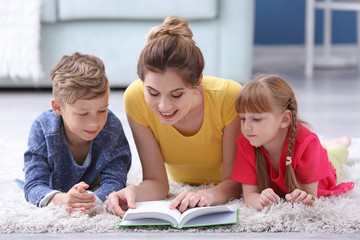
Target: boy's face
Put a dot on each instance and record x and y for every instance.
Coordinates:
(84, 119)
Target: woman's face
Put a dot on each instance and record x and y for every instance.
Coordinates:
(168, 97)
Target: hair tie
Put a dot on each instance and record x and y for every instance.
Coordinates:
(288, 160)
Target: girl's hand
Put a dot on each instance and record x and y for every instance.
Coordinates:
(188, 199)
(268, 196)
(119, 202)
(301, 196)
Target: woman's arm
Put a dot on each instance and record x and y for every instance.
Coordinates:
(155, 185)
(228, 188)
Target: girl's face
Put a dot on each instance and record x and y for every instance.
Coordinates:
(168, 97)
(261, 128)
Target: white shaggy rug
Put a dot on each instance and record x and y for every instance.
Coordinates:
(339, 214)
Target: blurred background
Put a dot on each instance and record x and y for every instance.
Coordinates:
(316, 50)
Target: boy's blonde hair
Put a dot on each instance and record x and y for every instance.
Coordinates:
(79, 76)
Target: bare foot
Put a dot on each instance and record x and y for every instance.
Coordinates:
(343, 141)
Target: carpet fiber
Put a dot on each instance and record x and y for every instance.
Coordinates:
(336, 214)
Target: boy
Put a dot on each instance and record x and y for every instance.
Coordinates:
(77, 152)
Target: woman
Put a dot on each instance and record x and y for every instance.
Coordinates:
(184, 125)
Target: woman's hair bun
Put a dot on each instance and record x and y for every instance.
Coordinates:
(172, 26)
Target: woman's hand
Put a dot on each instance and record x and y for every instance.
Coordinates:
(267, 197)
(301, 196)
(188, 199)
(119, 202)
(76, 199)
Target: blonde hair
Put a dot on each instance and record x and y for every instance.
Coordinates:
(270, 93)
(170, 47)
(79, 76)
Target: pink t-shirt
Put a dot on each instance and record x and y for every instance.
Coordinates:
(309, 161)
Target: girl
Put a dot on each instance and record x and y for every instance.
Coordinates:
(277, 155)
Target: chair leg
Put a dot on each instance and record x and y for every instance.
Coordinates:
(327, 32)
(358, 36)
(309, 37)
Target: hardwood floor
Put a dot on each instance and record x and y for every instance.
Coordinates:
(330, 101)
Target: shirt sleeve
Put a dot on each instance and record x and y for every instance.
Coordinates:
(245, 165)
(116, 160)
(228, 109)
(134, 103)
(36, 166)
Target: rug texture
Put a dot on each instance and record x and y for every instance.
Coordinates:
(336, 214)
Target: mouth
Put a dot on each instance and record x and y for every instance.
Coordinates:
(91, 132)
(168, 115)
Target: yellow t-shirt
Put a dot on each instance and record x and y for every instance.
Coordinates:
(195, 159)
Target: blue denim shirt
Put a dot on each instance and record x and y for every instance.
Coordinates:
(49, 164)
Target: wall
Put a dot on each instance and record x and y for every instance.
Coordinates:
(283, 22)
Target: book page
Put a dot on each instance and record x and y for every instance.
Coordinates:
(202, 216)
(153, 210)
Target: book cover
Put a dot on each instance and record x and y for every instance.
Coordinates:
(158, 213)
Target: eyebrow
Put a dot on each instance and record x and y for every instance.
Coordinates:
(175, 90)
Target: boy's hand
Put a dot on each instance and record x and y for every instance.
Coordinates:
(76, 199)
(267, 197)
(301, 196)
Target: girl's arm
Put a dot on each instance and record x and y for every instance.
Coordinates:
(155, 185)
(228, 188)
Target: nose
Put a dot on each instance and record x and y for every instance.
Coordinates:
(94, 122)
(247, 125)
(164, 104)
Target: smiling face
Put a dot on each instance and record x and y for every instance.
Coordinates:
(84, 119)
(261, 128)
(168, 97)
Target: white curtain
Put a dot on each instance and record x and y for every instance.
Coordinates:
(20, 39)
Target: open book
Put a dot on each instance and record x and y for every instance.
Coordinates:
(159, 213)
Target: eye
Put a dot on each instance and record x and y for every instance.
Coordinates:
(83, 114)
(154, 94)
(102, 111)
(256, 119)
(177, 95)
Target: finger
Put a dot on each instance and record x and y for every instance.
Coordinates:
(203, 203)
(83, 197)
(113, 204)
(271, 196)
(82, 205)
(69, 209)
(301, 196)
(194, 201)
(184, 204)
(309, 200)
(82, 210)
(81, 184)
(177, 200)
(130, 199)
